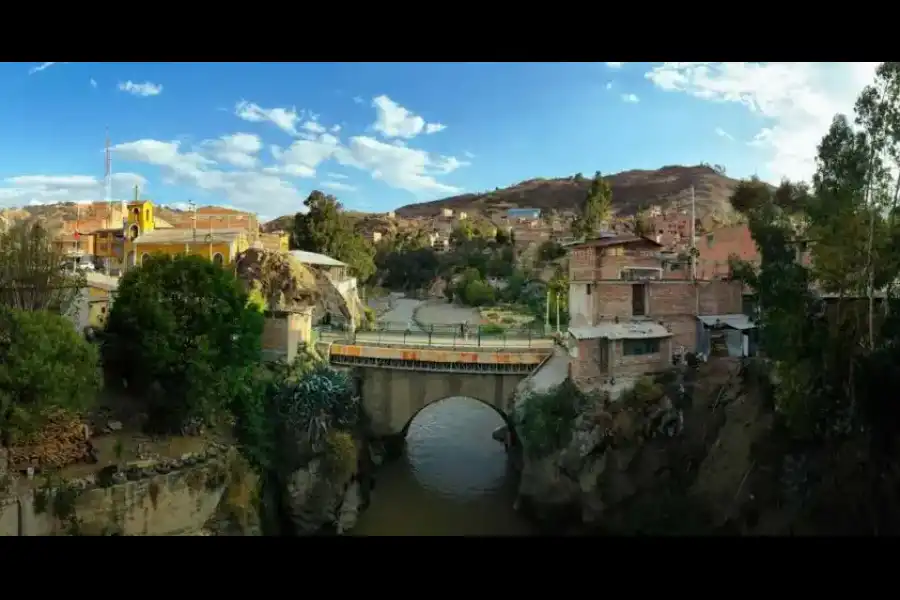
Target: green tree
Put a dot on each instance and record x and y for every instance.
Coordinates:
(31, 271)
(45, 365)
(326, 229)
(641, 224)
(595, 210)
(183, 337)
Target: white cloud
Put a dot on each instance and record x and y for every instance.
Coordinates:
(93, 83)
(44, 66)
(796, 102)
(630, 98)
(143, 90)
(234, 168)
(335, 128)
(50, 189)
(394, 121)
(285, 119)
(614, 65)
(468, 154)
(609, 85)
(722, 133)
(358, 99)
(338, 186)
(238, 149)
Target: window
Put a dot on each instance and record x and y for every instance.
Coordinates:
(709, 240)
(218, 259)
(640, 347)
(588, 289)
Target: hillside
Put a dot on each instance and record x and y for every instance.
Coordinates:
(54, 215)
(630, 190)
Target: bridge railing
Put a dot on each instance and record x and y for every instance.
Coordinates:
(441, 335)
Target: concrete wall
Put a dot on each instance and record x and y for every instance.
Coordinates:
(392, 397)
(176, 503)
(283, 332)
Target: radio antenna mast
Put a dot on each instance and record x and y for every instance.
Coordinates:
(107, 180)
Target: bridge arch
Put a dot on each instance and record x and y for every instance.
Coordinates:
(393, 397)
(503, 414)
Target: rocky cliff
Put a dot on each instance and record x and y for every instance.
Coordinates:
(669, 457)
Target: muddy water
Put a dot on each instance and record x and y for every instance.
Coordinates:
(452, 480)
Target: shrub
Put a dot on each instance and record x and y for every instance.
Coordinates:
(44, 366)
(478, 293)
(492, 329)
(544, 420)
(182, 334)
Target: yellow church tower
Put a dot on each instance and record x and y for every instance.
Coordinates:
(140, 216)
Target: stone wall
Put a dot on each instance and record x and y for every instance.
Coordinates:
(166, 498)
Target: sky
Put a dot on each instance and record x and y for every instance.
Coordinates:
(262, 136)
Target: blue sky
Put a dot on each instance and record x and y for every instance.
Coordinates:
(379, 135)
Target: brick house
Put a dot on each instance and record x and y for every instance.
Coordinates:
(715, 248)
(624, 349)
(625, 280)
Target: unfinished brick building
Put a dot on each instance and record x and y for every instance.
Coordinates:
(620, 280)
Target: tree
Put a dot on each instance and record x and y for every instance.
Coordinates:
(45, 365)
(641, 225)
(596, 208)
(31, 271)
(501, 237)
(750, 194)
(325, 229)
(183, 337)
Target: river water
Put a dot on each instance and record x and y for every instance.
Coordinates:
(453, 478)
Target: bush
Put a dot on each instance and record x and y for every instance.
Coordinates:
(478, 293)
(492, 329)
(182, 335)
(44, 366)
(544, 421)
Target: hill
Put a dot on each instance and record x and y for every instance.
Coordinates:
(54, 215)
(670, 185)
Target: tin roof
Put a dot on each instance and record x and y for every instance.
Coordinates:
(734, 321)
(617, 240)
(314, 258)
(623, 330)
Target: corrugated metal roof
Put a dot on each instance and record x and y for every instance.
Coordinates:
(606, 240)
(183, 236)
(735, 321)
(101, 281)
(624, 330)
(314, 258)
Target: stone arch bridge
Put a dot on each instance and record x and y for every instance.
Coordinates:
(397, 383)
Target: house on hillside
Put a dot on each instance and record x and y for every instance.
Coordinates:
(627, 312)
(93, 302)
(528, 214)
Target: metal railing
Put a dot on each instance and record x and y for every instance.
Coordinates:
(441, 335)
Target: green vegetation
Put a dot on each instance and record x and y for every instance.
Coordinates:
(31, 277)
(326, 229)
(545, 420)
(836, 361)
(182, 336)
(595, 211)
(45, 366)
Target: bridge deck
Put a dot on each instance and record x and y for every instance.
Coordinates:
(432, 359)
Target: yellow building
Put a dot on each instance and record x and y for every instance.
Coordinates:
(142, 237)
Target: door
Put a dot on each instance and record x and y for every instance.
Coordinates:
(603, 347)
(638, 300)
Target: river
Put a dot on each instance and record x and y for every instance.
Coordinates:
(453, 478)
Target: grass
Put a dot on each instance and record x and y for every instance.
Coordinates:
(505, 316)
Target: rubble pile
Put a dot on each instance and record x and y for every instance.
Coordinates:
(64, 440)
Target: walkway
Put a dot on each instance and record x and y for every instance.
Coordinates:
(420, 338)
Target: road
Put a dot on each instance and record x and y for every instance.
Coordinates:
(402, 313)
(442, 341)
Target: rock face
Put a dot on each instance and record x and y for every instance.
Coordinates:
(279, 280)
(319, 499)
(623, 459)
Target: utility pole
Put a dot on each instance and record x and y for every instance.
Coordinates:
(557, 314)
(694, 251)
(547, 312)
